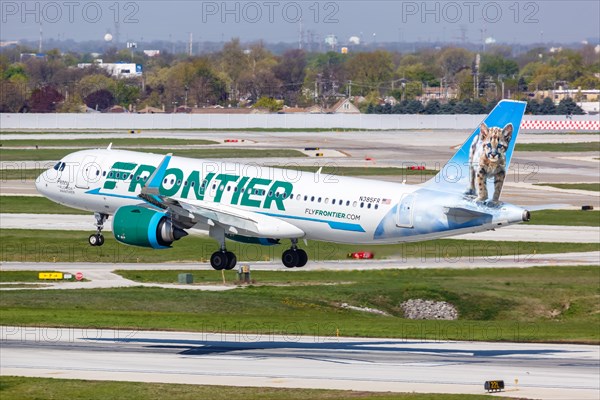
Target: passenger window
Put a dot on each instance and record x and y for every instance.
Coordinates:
(369, 205)
(376, 206)
(326, 200)
(347, 203)
(354, 204)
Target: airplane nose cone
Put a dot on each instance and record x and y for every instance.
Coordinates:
(41, 184)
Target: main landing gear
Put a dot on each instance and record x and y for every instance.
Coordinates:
(221, 259)
(97, 239)
(294, 257)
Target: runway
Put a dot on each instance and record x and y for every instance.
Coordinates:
(549, 371)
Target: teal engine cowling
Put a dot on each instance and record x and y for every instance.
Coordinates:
(144, 227)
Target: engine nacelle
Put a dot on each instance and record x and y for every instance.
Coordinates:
(144, 227)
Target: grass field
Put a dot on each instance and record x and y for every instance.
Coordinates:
(72, 246)
(532, 304)
(90, 143)
(34, 205)
(562, 147)
(57, 154)
(19, 276)
(594, 187)
(46, 388)
(22, 174)
(565, 217)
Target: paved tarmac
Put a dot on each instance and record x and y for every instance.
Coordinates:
(549, 371)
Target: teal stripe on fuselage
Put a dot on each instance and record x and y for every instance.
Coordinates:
(342, 226)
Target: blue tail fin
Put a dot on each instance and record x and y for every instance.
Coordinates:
(479, 167)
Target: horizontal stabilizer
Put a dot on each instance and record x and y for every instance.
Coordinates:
(461, 215)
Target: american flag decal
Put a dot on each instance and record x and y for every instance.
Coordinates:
(386, 201)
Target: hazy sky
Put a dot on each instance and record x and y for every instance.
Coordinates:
(274, 21)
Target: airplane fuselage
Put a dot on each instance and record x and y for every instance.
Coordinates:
(325, 207)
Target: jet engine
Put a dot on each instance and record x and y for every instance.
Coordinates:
(145, 227)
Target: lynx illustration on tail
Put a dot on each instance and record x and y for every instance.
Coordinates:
(488, 159)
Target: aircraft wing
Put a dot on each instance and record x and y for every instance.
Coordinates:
(234, 220)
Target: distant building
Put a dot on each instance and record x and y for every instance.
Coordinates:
(151, 110)
(584, 95)
(211, 110)
(118, 70)
(117, 110)
(315, 109)
(31, 56)
(441, 94)
(343, 106)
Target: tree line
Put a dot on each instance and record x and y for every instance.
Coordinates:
(243, 75)
(566, 106)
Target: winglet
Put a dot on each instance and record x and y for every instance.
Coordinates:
(153, 183)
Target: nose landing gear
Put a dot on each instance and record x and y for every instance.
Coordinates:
(97, 239)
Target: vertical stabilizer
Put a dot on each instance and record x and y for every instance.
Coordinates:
(479, 167)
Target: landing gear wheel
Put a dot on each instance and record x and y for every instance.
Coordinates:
(232, 260)
(97, 239)
(290, 258)
(219, 260)
(302, 258)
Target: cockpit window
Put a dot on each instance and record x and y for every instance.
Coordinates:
(62, 166)
(57, 166)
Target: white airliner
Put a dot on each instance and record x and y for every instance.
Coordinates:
(155, 198)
